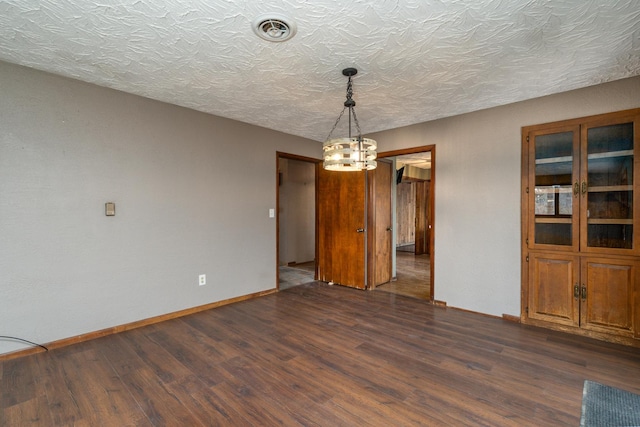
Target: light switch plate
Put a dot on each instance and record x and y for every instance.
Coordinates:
(110, 209)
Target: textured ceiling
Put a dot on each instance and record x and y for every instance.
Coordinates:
(418, 60)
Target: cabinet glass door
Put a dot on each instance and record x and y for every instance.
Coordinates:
(555, 176)
(609, 186)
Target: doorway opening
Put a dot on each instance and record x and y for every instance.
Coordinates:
(296, 221)
(413, 218)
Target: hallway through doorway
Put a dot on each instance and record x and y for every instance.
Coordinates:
(413, 276)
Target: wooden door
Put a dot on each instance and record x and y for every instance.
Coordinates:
(554, 188)
(607, 295)
(405, 214)
(552, 297)
(341, 227)
(609, 178)
(380, 226)
(422, 217)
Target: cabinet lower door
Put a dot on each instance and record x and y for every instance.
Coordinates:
(553, 282)
(608, 298)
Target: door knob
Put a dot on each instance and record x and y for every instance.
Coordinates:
(389, 228)
(360, 230)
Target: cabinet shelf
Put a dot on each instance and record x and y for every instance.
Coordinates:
(553, 189)
(550, 160)
(607, 221)
(608, 154)
(553, 220)
(594, 221)
(609, 188)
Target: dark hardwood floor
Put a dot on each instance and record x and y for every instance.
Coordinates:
(317, 355)
(413, 276)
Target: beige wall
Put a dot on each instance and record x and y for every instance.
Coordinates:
(477, 193)
(192, 193)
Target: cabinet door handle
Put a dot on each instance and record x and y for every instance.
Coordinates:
(576, 291)
(360, 230)
(584, 293)
(584, 187)
(576, 189)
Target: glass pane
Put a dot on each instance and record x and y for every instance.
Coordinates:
(553, 190)
(613, 170)
(553, 234)
(565, 202)
(610, 236)
(610, 179)
(554, 145)
(606, 139)
(610, 205)
(554, 200)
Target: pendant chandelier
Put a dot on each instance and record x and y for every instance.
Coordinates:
(351, 153)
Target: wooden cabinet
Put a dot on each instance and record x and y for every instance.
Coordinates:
(581, 229)
(551, 290)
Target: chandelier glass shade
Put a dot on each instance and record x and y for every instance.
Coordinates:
(351, 153)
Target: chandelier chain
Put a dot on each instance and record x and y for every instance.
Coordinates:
(355, 120)
(336, 123)
(350, 104)
(349, 90)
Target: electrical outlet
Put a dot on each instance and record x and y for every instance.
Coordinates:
(202, 279)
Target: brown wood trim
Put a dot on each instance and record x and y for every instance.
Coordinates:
(439, 303)
(511, 318)
(278, 183)
(618, 339)
(133, 325)
(581, 120)
(21, 353)
(411, 150)
(524, 226)
(505, 317)
(432, 205)
(294, 263)
(475, 312)
(316, 274)
(432, 213)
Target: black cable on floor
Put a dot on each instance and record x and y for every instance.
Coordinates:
(26, 341)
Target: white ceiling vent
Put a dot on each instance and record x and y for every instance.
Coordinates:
(274, 28)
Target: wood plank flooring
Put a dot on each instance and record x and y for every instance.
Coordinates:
(413, 276)
(317, 355)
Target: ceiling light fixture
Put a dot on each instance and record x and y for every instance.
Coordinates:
(351, 153)
(274, 27)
